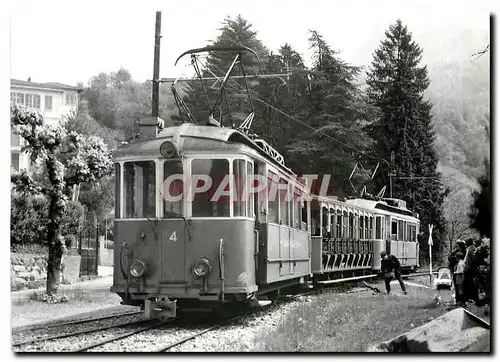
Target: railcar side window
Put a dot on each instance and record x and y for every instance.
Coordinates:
(371, 228)
(315, 218)
(250, 197)
(173, 188)
(297, 214)
(367, 228)
(272, 192)
(378, 227)
(324, 220)
(118, 178)
(345, 222)
(285, 203)
(361, 227)
(210, 201)
(140, 189)
(339, 224)
(240, 181)
(305, 206)
(394, 230)
(333, 230)
(351, 225)
(400, 230)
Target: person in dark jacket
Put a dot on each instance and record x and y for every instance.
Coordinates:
(389, 265)
(470, 288)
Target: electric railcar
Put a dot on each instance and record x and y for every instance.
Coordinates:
(198, 247)
(179, 248)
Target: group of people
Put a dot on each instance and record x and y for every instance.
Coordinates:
(464, 261)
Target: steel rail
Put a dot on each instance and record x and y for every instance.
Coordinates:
(121, 336)
(72, 334)
(184, 340)
(34, 327)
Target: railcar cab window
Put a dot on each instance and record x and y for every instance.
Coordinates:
(173, 188)
(210, 188)
(140, 189)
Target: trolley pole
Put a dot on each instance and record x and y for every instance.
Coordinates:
(156, 67)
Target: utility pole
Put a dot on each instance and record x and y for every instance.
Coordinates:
(391, 174)
(156, 67)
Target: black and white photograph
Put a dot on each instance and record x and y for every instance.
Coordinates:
(259, 176)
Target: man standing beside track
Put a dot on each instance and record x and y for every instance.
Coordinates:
(389, 264)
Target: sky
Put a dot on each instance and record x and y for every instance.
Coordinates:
(72, 43)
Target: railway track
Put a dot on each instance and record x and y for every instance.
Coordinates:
(72, 334)
(111, 339)
(144, 334)
(35, 327)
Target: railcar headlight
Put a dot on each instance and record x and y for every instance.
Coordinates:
(168, 149)
(137, 268)
(202, 267)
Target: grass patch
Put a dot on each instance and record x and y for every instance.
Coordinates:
(350, 322)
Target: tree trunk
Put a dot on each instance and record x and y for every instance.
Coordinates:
(56, 210)
(54, 269)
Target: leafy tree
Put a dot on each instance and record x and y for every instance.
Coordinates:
(396, 84)
(69, 158)
(336, 113)
(276, 94)
(117, 102)
(481, 209)
(234, 32)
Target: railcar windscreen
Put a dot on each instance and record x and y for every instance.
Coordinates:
(211, 185)
(140, 189)
(173, 185)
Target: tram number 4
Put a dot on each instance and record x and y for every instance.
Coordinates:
(173, 237)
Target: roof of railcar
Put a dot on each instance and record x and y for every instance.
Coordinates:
(366, 205)
(151, 146)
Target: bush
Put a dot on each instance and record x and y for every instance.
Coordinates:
(29, 219)
(483, 273)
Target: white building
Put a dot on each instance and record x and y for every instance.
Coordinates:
(53, 100)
